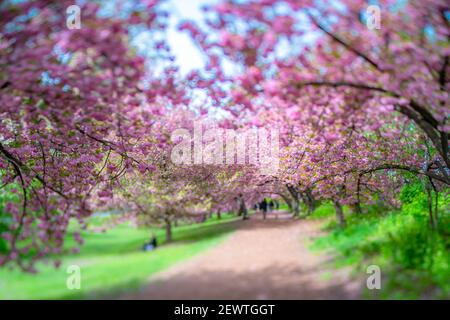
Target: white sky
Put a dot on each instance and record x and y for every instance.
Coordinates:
(187, 55)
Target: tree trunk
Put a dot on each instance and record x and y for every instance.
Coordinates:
(239, 212)
(219, 215)
(295, 200)
(296, 207)
(436, 201)
(436, 204)
(276, 204)
(339, 213)
(311, 208)
(311, 202)
(430, 206)
(288, 202)
(168, 230)
(357, 208)
(242, 208)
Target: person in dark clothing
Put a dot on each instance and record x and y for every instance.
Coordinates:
(263, 205)
(152, 244)
(263, 208)
(153, 241)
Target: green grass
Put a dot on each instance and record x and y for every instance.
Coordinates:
(414, 259)
(283, 207)
(112, 262)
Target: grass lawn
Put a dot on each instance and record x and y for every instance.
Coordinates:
(414, 259)
(113, 262)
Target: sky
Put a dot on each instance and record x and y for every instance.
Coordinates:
(187, 55)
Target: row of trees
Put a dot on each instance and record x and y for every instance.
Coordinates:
(355, 104)
(86, 120)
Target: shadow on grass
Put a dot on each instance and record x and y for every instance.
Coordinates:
(106, 293)
(203, 232)
(190, 238)
(132, 239)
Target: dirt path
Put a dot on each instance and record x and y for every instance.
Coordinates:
(261, 260)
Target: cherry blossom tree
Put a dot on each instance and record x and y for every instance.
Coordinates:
(86, 117)
(368, 100)
(403, 67)
(71, 115)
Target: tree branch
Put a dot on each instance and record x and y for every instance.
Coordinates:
(343, 43)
